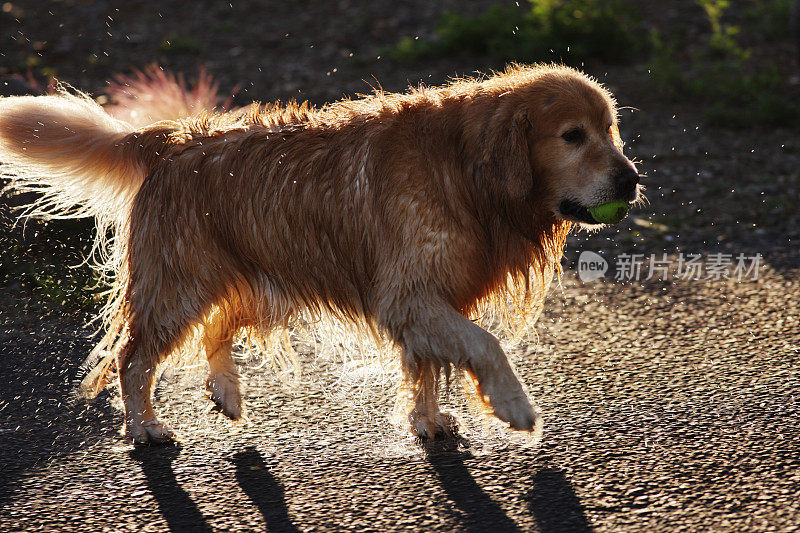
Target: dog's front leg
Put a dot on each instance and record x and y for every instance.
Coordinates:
(437, 335)
(426, 420)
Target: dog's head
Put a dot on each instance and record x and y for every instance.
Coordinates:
(553, 140)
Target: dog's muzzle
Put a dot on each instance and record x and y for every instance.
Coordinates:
(626, 184)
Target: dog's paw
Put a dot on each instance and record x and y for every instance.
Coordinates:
(508, 401)
(224, 391)
(517, 411)
(442, 425)
(151, 431)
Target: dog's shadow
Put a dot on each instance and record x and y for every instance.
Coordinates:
(554, 504)
(263, 489)
(177, 508)
(182, 514)
(552, 500)
(481, 513)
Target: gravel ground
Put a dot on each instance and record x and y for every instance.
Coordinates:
(670, 404)
(668, 407)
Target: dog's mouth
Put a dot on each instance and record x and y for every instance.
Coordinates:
(577, 212)
(572, 210)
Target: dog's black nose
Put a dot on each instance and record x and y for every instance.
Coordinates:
(625, 182)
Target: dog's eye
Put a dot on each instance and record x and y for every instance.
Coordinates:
(574, 136)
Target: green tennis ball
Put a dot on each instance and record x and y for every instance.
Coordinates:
(610, 213)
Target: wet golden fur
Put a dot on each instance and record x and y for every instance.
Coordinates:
(405, 213)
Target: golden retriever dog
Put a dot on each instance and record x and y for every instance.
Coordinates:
(405, 213)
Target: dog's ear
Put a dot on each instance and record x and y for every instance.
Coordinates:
(506, 154)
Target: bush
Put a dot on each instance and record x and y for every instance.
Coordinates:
(737, 91)
(569, 30)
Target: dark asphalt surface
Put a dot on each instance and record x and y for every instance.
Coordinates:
(669, 407)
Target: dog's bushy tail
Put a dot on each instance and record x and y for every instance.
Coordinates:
(64, 146)
(83, 163)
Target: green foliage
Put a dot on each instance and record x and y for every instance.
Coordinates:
(723, 36)
(53, 264)
(737, 91)
(569, 30)
(741, 99)
(769, 18)
(77, 287)
(608, 30)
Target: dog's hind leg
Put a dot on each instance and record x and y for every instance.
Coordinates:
(162, 314)
(164, 302)
(223, 377)
(137, 365)
(433, 333)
